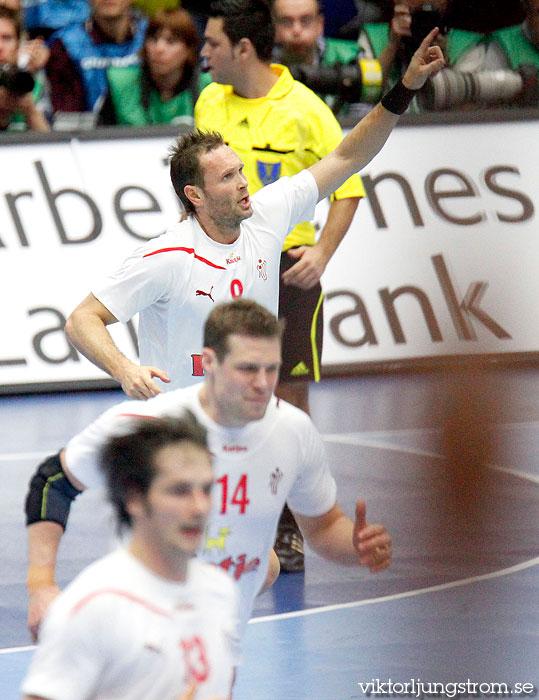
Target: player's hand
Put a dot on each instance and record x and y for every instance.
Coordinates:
(137, 382)
(425, 63)
(37, 607)
(311, 263)
(36, 53)
(372, 542)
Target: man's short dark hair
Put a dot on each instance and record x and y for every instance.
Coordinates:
(240, 317)
(185, 161)
(128, 460)
(247, 19)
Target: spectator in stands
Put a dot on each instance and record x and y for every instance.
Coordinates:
(43, 17)
(516, 46)
(19, 92)
(314, 59)
(394, 43)
(81, 53)
(165, 87)
(33, 53)
(11, 4)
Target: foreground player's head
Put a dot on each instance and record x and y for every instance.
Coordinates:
(241, 360)
(159, 478)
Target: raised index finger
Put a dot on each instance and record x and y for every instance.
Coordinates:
(427, 41)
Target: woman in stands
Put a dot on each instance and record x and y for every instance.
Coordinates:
(163, 89)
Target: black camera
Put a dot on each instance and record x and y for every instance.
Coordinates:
(350, 82)
(16, 81)
(423, 21)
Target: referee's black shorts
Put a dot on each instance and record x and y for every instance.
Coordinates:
(302, 339)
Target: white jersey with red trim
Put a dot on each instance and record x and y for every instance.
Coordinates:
(257, 469)
(120, 631)
(174, 280)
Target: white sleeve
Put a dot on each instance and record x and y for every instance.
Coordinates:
(71, 657)
(286, 203)
(82, 452)
(314, 492)
(141, 280)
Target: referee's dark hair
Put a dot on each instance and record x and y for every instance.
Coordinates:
(240, 317)
(128, 460)
(247, 19)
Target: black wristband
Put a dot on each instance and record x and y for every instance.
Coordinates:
(398, 98)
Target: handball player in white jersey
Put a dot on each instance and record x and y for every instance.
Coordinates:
(148, 621)
(228, 246)
(265, 452)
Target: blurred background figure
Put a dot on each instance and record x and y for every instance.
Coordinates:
(20, 93)
(518, 45)
(81, 53)
(43, 17)
(469, 80)
(329, 66)
(344, 18)
(166, 86)
(394, 43)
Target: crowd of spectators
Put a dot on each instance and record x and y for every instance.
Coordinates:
(137, 62)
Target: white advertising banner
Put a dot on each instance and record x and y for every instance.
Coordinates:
(441, 258)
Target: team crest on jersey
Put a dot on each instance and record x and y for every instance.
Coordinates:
(262, 267)
(275, 478)
(268, 172)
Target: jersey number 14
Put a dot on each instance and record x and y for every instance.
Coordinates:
(239, 496)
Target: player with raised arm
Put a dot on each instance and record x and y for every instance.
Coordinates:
(228, 246)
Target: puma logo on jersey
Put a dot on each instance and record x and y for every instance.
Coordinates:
(200, 293)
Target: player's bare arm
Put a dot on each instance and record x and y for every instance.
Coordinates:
(86, 329)
(312, 260)
(334, 536)
(43, 544)
(367, 138)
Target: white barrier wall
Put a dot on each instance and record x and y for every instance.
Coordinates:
(441, 258)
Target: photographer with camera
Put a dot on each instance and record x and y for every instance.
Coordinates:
(516, 46)
(19, 92)
(393, 44)
(329, 67)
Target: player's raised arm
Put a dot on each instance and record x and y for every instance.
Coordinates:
(367, 138)
(86, 331)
